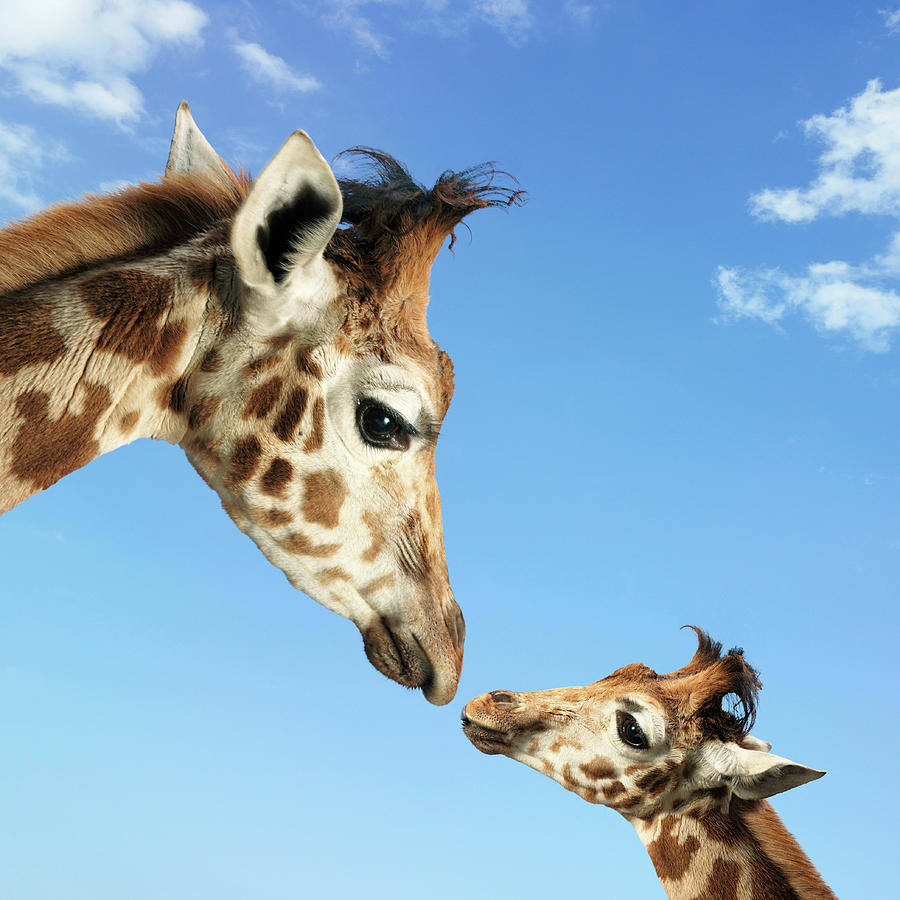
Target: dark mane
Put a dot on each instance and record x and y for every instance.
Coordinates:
(141, 219)
(384, 205)
(715, 678)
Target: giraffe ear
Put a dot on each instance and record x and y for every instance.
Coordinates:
(190, 152)
(755, 774)
(283, 226)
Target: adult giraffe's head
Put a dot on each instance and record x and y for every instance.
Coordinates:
(315, 411)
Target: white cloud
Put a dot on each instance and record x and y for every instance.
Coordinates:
(511, 17)
(582, 13)
(835, 296)
(272, 70)
(82, 54)
(891, 19)
(859, 169)
(22, 153)
(450, 18)
(859, 172)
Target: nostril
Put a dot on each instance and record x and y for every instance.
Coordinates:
(502, 697)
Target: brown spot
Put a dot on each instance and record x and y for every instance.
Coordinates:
(275, 479)
(316, 436)
(570, 782)
(211, 362)
(261, 364)
(263, 398)
(611, 791)
(290, 415)
(559, 743)
(307, 365)
(128, 421)
(383, 581)
(598, 769)
(533, 744)
(244, 461)
(202, 411)
(27, 335)
(273, 518)
(672, 859)
(589, 794)
(637, 767)
(342, 345)
(299, 544)
(45, 449)
(547, 766)
(174, 396)
(724, 880)
(323, 496)
(371, 522)
(655, 781)
(279, 342)
(168, 346)
(336, 573)
(131, 302)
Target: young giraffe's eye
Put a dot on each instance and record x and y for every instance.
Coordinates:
(382, 427)
(630, 731)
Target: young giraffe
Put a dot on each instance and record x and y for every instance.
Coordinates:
(290, 359)
(662, 751)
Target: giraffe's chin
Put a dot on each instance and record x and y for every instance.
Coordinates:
(487, 740)
(397, 653)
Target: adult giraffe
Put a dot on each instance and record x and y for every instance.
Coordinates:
(290, 359)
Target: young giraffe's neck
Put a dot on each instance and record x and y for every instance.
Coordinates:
(743, 854)
(94, 361)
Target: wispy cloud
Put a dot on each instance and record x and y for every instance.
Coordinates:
(859, 168)
(271, 70)
(891, 19)
(22, 154)
(859, 172)
(513, 19)
(582, 13)
(82, 54)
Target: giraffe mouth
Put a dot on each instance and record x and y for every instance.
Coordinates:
(486, 739)
(397, 653)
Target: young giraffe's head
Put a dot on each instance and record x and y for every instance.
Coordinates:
(314, 413)
(641, 743)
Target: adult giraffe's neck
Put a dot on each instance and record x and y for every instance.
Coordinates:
(92, 362)
(744, 854)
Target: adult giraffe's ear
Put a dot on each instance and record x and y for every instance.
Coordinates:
(283, 226)
(190, 152)
(753, 774)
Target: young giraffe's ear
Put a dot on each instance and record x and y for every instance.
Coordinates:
(754, 774)
(190, 152)
(283, 226)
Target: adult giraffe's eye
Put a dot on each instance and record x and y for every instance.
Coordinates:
(630, 731)
(381, 427)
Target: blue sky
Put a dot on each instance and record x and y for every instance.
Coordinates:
(677, 395)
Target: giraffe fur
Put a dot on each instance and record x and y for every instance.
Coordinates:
(288, 357)
(663, 752)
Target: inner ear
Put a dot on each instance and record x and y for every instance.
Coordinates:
(282, 235)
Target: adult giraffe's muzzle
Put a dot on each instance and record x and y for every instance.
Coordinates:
(426, 653)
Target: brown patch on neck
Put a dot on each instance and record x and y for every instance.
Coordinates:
(780, 846)
(300, 545)
(27, 334)
(46, 449)
(598, 769)
(140, 220)
(672, 858)
(323, 496)
(276, 478)
(262, 399)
